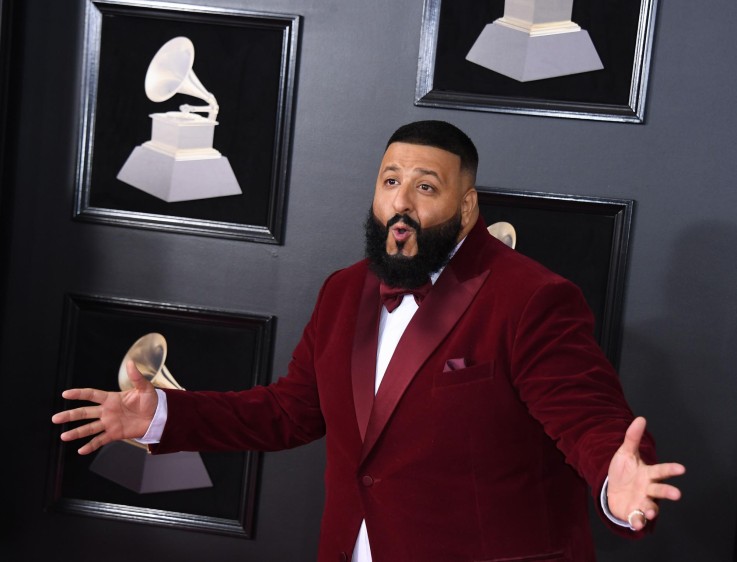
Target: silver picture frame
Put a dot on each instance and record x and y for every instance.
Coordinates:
(622, 33)
(248, 58)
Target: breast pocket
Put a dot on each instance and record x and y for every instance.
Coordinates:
(483, 372)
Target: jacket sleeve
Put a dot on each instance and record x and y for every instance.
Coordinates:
(570, 387)
(281, 415)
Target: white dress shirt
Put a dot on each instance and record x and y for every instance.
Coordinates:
(391, 328)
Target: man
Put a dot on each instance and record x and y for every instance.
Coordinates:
(462, 423)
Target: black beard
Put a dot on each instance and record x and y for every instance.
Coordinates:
(434, 245)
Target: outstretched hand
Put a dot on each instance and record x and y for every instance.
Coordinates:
(634, 487)
(117, 415)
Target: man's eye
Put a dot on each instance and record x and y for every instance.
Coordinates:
(426, 187)
(392, 181)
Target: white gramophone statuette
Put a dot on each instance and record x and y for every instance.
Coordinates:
(179, 163)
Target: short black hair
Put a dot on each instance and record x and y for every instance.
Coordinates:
(443, 135)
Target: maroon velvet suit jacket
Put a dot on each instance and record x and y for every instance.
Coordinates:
(489, 461)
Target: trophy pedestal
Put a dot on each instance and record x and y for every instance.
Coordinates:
(134, 468)
(525, 56)
(179, 163)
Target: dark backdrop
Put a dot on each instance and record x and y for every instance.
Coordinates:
(356, 82)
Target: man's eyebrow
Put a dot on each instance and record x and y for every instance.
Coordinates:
(426, 172)
(422, 171)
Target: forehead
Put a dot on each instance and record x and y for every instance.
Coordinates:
(409, 157)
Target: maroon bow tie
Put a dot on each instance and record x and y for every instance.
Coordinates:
(392, 296)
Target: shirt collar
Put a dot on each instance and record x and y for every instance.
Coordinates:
(434, 276)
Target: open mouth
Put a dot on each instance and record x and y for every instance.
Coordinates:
(401, 232)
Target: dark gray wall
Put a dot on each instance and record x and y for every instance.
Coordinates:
(355, 86)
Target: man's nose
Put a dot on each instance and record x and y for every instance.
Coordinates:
(403, 202)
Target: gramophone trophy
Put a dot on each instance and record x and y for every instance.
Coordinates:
(535, 39)
(127, 462)
(179, 162)
(504, 232)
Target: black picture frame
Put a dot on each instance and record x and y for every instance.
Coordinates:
(208, 349)
(584, 239)
(6, 14)
(621, 31)
(247, 59)
(7, 8)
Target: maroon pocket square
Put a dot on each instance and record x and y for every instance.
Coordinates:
(455, 364)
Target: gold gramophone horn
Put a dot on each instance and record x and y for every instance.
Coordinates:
(149, 354)
(505, 232)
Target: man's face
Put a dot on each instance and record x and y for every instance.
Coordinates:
(423, 205)
(427, 185)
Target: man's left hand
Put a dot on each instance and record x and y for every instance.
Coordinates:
(634, 487)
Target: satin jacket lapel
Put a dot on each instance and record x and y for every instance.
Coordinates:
(438, 313)
(365, 344)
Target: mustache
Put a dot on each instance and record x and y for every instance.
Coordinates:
(406, 219)
(434, 246)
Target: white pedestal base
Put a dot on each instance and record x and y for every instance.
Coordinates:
(524, 57)
(134, 468)
(171, 179)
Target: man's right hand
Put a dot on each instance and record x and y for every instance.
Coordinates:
(117, 415)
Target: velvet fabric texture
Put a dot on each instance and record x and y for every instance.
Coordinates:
(497, 413)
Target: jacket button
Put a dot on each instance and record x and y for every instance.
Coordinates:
(367, 481)
(343, 557)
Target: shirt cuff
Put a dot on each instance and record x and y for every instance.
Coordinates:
(605, 507)
(156, 429)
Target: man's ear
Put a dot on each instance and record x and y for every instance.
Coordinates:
(469, 206)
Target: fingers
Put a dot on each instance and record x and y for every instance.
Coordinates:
(134, 374)
(666, 470)
(94, 444)
(639, 515)
(633, 436)
(659, 472)
(93, 428)
(646, 508)
(108, 404)
(83, 413)
(137, 379)
(638, 518)
(647, 503)
(89, 394)
(86, 430)
(664, 492)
